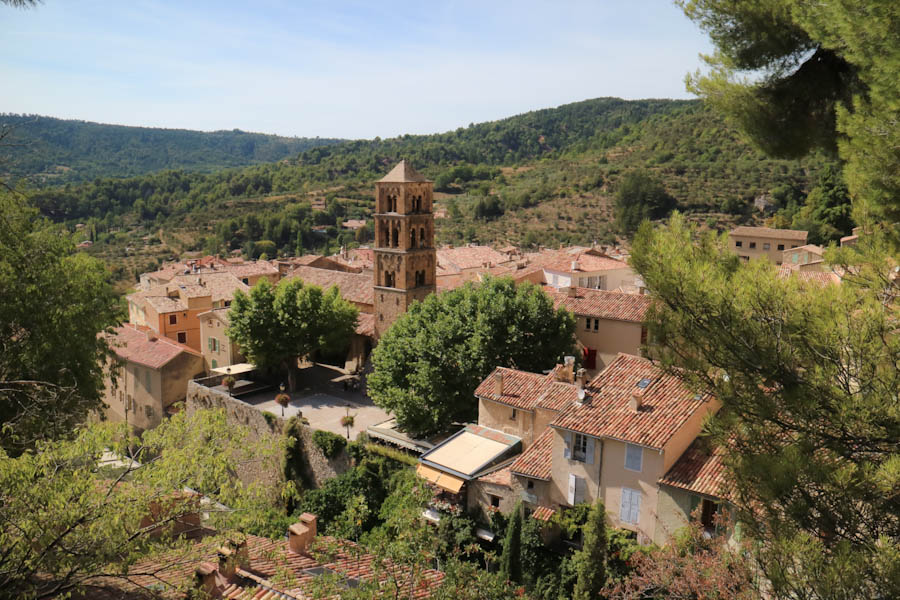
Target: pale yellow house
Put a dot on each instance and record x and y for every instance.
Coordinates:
(152, 374)
(765, 242)
(218, 350)
(615, 437)
(588, 268)
(606, 322)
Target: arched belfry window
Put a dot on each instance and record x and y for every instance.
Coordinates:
(422, 238)
(395, 238)
(412, 237)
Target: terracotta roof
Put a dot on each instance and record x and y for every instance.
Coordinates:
(602, 304)
(537, 460)
(585, 261)
(666, 404)
(355, 287)
(469, 257)
(543, 513)
(365, 324)
(220, 286)
(521, 389)
(275, 572)
(816, 277)
(161, 304)
(809, 248)
(698, 470)
(138, 344)
(498, 477)
(403, 173)
(767, 232)
(354, 223)
(252, 269)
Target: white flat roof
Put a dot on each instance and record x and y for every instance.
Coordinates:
(466, 452)
(235, 369)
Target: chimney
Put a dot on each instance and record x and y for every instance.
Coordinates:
(572, 291)
(227, 562)
(151, 335)
(581, 378)
(567, 373)
(205, 579)
(574, 265)
(498, 383)
(301, 535)
(636, 400)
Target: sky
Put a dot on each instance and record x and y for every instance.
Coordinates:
(339, 68)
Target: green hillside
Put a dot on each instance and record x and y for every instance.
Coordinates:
(545, 177)
(48, 151)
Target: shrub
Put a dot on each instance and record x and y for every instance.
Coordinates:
(329, 443)
(392, 453)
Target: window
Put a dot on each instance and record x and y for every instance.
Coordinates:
(781, 246)
(182, 337)
(530, 485)
(752, 245)
(793, 245)
(245, 281)
(512, 416)
(634, 457)
(596, 324)
(495, 501)
(173, 319)
(766, 246)
(587, 323)
(601, 282)
(148, 411)
(630, 509)
(580, 449)
(214, 364)
(739, 244)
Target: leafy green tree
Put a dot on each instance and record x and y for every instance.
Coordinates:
(69, 522)
(511, 559)
(827, 79)
(274, 326)
(639, 197)
(53, 304)
(826, 214)
(808, 379)
(590, 561)
(428, 364)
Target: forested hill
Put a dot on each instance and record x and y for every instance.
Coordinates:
(49, 151)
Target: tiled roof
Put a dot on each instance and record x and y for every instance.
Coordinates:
(537, 460)
(274, 572)
(354, 223)
(355, 287)
(365, 324)
(543, 513)
(252, 269)
(698, 470)
(816, 277)
(469, 257)
(403, 173)
(809, 248)
(586, 261)
(666, 404)
(142, 346)
(498, 477)
(602, 304)
(161, 304)
(767, 232)
(521, 389)
(220, 286)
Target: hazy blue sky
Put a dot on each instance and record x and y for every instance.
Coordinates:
(336, 68)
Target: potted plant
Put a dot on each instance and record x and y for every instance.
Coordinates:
(229, 382)
(283, 399)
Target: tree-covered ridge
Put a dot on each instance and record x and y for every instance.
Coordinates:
(50, 151)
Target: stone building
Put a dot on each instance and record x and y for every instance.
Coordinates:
(405, 260)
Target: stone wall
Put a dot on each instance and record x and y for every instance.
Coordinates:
(319, 468)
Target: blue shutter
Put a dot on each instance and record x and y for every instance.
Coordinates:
(589, 452)
(567, 453)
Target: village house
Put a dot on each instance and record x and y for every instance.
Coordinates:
(172, 309)
(217, 348)
(152, 375)
(458, 265)
(248, 272)
(588, 268)
(764, 242)
(809, 256)
(622, 436)
(606, 323)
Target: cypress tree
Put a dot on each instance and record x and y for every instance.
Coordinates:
(511, 560)
(590, 561)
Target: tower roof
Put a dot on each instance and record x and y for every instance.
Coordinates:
(403, 173)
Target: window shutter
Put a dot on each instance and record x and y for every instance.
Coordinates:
(589, 452)
(625, 506)
(209, 344)
(635, 506)
(567, 453)
(572, 483)
(579, 490)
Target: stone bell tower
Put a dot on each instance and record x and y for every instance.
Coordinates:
(405, 259)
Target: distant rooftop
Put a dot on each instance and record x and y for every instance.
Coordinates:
(768, 232)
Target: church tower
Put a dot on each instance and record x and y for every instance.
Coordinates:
(405, 259)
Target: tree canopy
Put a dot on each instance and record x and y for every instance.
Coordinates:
(825, 77)
(428, 364)
(54, 302)
(640, 197)
(808, 379)
(276, 325)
